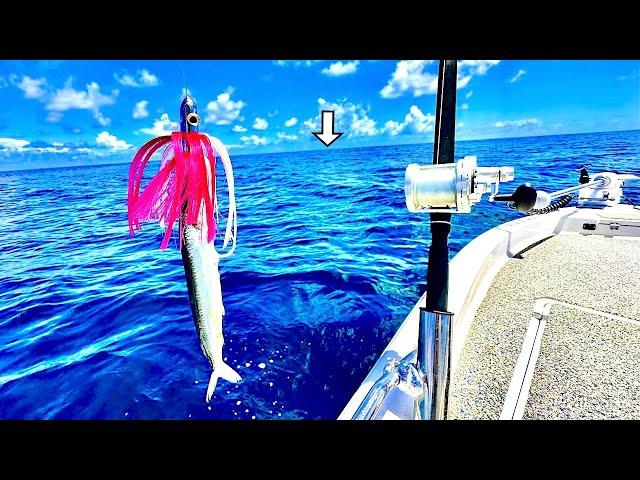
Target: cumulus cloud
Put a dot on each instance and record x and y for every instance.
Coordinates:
(411, 76)
(467, 69)
(393, 128)
(414, 122)
(254, 140)
(239, 128)
(286, 136)
(111, 141)
(469, 95)
(524, 122)
(161, 126)
(223, 110)
(310, 125)
(91, 99)
(339, 69)
(13, 144)
(291, 122)
(517, 76)
(350, 118)
(140, 110)
(260, 124)
(32, 87)
(144, 79)
(464, 106)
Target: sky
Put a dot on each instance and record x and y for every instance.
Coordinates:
(72, 112)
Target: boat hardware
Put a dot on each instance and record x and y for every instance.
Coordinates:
(403, 374)
(518, 393)
(597, 191)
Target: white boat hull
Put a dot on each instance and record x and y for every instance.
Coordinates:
(471, 273)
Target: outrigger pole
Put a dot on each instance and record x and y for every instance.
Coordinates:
(434, 334)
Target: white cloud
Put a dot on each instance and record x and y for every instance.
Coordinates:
(90, 99)
(291, 122)
(351, 119)
(295, 63)
(254, 140)
(415, 122)
(272, 114)
(311, 125)
(393, 127)
(223, 110)
(464, 106)
(410, 77)
(287, 136)
(476, 67)
(467, 69)
(13, 144)
(260, 124)
(469, 95)
(239, 128)
(363, 127)
(140, 110)
(32, 87)
(517, 76)
(518, 123)
(145, 79)
(111, 142)
(162, 126)
(339, 69)
(419, 122)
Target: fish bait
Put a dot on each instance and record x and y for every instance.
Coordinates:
(184, 192)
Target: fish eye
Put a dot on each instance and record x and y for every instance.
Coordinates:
(193, 119)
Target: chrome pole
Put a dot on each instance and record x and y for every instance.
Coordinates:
(370, 406)
(434, 340)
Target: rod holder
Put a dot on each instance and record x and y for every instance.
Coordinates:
(434, 345)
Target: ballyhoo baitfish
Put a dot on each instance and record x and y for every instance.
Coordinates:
(184, 190)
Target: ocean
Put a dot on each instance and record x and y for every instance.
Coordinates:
(95, 324)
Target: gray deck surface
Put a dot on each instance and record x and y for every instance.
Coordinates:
(589, 366)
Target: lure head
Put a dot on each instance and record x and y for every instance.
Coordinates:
(189, 118)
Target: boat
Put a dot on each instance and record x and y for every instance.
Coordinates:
(537, 318)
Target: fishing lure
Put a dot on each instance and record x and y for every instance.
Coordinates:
(184, 192)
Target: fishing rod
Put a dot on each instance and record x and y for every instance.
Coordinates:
(441, 189)
(434, 330)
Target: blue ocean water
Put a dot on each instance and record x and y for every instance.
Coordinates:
(95, 324)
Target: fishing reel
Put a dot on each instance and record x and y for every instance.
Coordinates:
(452, 187)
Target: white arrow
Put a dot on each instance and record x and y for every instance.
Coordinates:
(327, 135)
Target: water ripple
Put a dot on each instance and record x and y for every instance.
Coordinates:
(329, 262)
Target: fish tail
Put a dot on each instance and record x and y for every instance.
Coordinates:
(222, 370)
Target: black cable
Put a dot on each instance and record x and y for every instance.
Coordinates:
(558, 204)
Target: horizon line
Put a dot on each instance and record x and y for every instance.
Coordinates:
(343, 148)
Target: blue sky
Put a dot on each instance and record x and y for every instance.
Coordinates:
(57, 113)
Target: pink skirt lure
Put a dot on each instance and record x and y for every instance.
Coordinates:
(183, 190)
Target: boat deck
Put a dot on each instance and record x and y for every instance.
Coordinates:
(587, 353)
